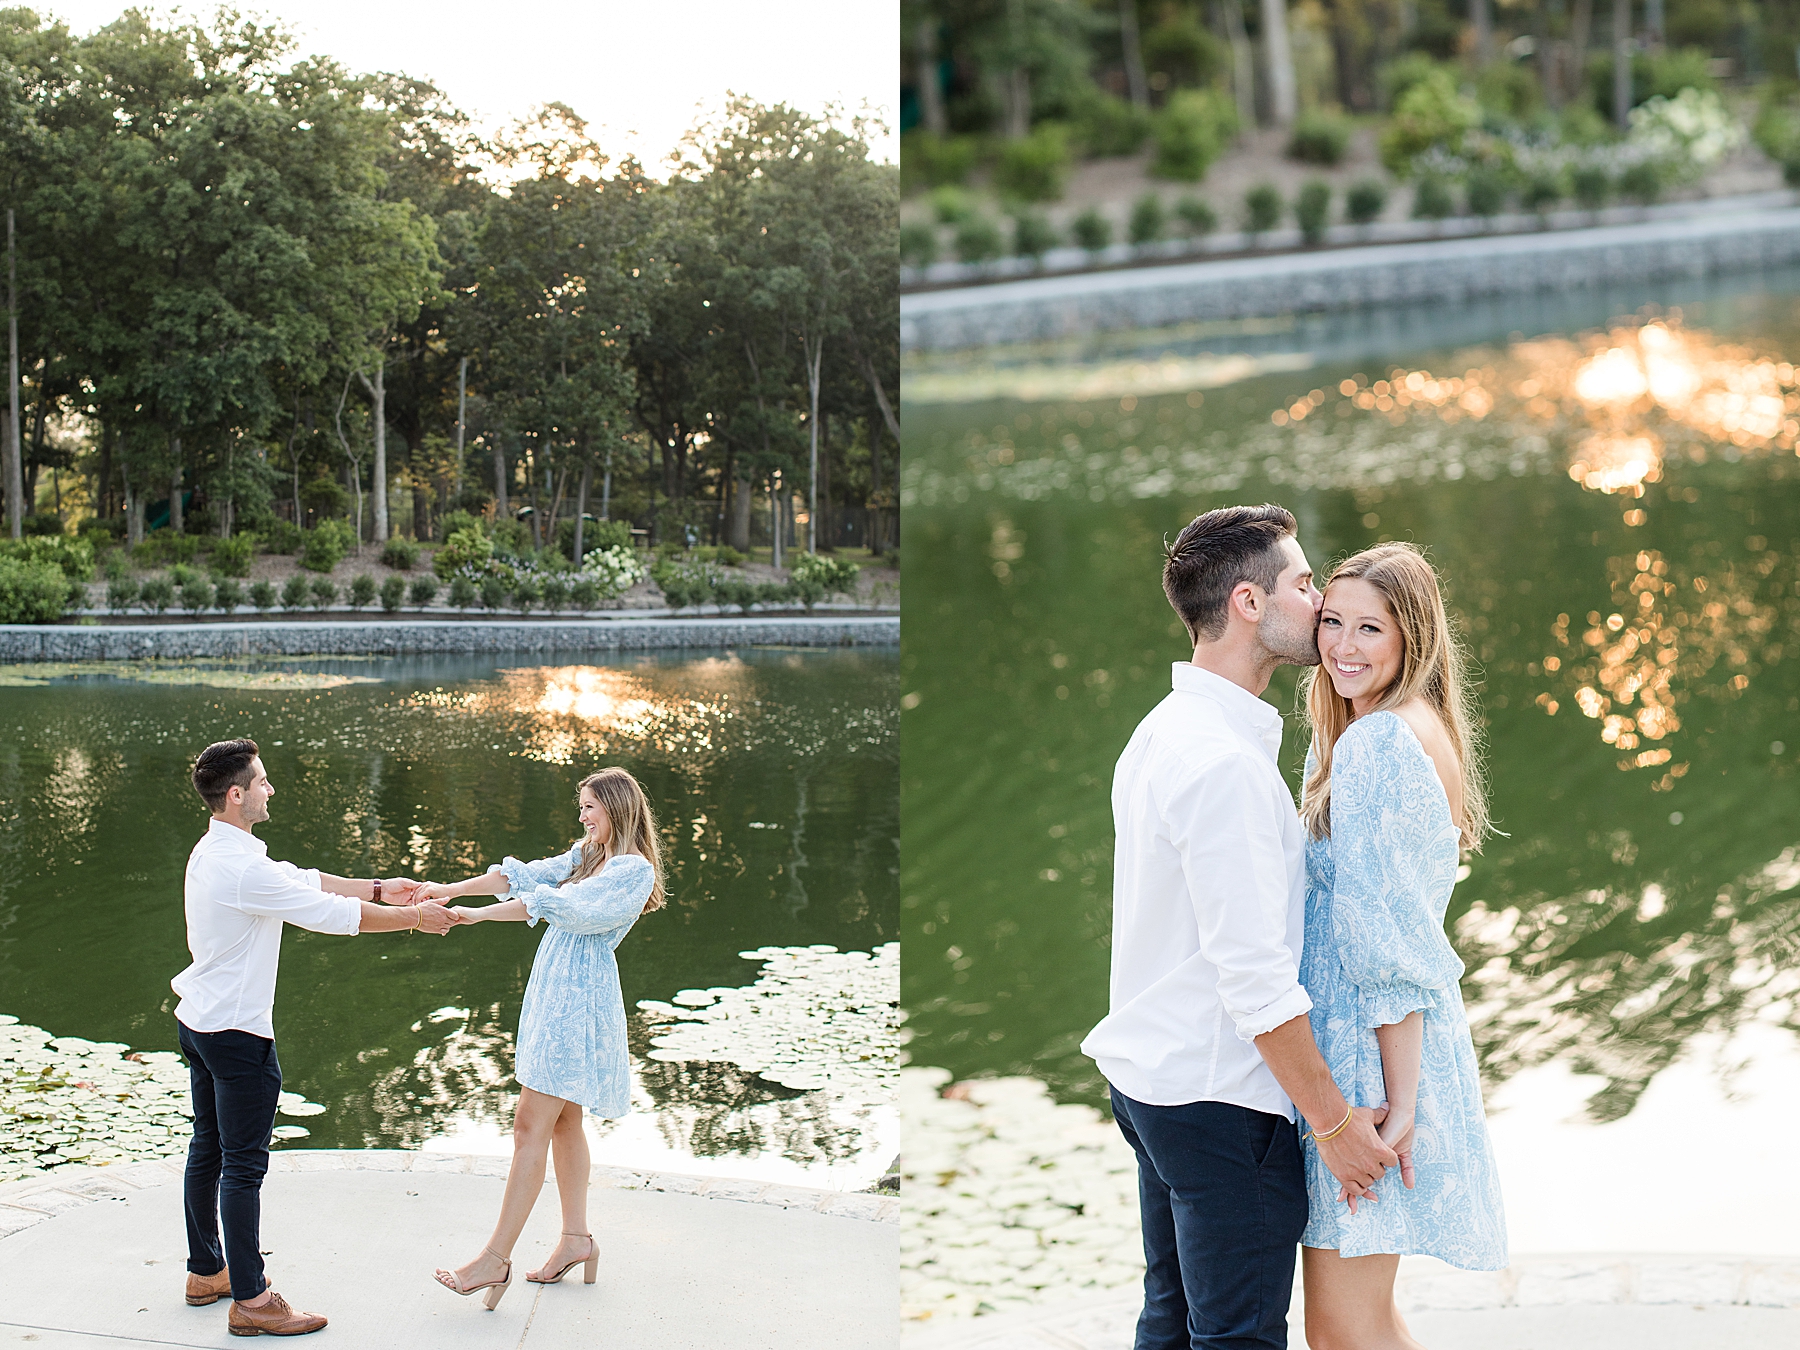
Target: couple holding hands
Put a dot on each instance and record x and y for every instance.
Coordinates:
(571, 1051)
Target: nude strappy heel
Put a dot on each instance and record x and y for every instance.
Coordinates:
(591, 1261)
(495, 1288)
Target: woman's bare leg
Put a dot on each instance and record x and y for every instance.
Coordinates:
(1350, 1302)
(533, 1121)
(569, 1146)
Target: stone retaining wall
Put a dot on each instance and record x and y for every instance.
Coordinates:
(26, 1203)
(21, 642)
(1444, 271)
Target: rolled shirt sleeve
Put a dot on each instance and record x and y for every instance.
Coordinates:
(1227, 829)
(279, 890)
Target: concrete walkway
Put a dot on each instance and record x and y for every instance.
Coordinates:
(1581, 1302)
(96, 1257)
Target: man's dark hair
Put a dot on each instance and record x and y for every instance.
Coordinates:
(1217, 551)
(222, 766)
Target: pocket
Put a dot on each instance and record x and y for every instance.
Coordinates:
(1265, 1135)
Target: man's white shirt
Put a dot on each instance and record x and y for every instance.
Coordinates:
(1209, 902)
(237, 901)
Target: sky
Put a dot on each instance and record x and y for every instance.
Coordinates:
(635, 69)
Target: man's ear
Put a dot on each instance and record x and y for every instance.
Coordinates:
(1247, 600)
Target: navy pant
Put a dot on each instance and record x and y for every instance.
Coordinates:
(235, 1079)
(1223, 1197)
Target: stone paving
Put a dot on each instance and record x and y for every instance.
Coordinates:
(405, 637)
(95, 1257)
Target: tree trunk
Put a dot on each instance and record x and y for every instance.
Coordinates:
(15, 448)
(775, 519)
(1243, 64)
(1280, 59)
(581, 499)
(1653, 24)
(1483, 21)
(1622, 63)
(1135, 79)
(606, 488)
(737, 532)
(824, 528)
(812, 427)
(1548, 75)
(103, 479)
(1015, 93)
(1581, 25)
(874, 380)
(175, 521)
(536, 516)
(500, 482)
(931, 94)
(377, 391)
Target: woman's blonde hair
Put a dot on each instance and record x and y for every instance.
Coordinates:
(633, 827)
(1432, 668)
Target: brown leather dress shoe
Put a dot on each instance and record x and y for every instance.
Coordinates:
(204, 1289)
(274, 1318)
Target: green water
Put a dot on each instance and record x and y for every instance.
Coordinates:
(773, 773)
(1645, 890)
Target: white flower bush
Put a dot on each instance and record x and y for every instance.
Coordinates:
(1691, 132)
(616, 568)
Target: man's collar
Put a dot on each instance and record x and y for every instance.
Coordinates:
(1188, 678)
(237, 838)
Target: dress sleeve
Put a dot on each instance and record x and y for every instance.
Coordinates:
(523, 877)
(611, 898)
(1385, 819)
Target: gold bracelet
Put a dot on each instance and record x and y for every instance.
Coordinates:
(1343, 1124)
(418, 918)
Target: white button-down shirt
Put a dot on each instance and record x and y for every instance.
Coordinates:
(1209, 902)
(237, 900)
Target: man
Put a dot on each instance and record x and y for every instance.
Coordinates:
(1207, 1045)
(237, 901)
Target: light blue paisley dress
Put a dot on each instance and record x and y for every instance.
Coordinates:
(1375, 950)
(572, 1025)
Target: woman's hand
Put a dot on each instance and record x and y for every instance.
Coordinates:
(466, 913)
(1397, 1133)
(433, 890)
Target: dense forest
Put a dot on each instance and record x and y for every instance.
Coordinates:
(248, 287)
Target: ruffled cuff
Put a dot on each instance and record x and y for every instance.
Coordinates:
(535, 904)
(1294, 1003)
(1392, 1003)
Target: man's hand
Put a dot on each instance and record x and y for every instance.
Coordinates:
(464, 914)
(1357, 1157)
(436, 919)
(398, 890)
(429, 892)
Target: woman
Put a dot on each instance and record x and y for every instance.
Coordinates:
(1393, 794)
(571, 1048)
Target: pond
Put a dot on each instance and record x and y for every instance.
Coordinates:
(1614, 503)
(774, 776)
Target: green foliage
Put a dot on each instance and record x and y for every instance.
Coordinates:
(262, 596)
(400, 553)
(197, 595)
(181, 575)
(1431, 198)
(1108, 126)
(937, 161)
(918, 244)
(293, 592)
(836, 575)
(281, 536)
(121, 594)
(1365, 201)
(1591, 186)
(1487, 189)
(1149, 219)
(31, 590)
(510, 538)
(362, 591)
(1196, 216)
(165, 546)
(73, 557)
(423, 591)
(157, 593)
(41, 524)
(1541, 192)
(462, 592)
(326, 544)
(1183, 52)
(1262, 209)
(723, 554)
(1033, 235)
(1092, 230)
(584, 592)
(232, 557)
(554, 593)
(493, 593)
(324, 592)
(1429, 115)
(1642, 182)
(1312, 210)
(1399, 75)
(1510, 90)
(951, 205)
(458, 520)
(1190, 133)
(684, 586)
(525, 592)
(228, 594)
(978, 240)
(468, 547)
(1034, 168)
(606, 534)
(1319, 137)
(1665, 73)
(117, 565)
